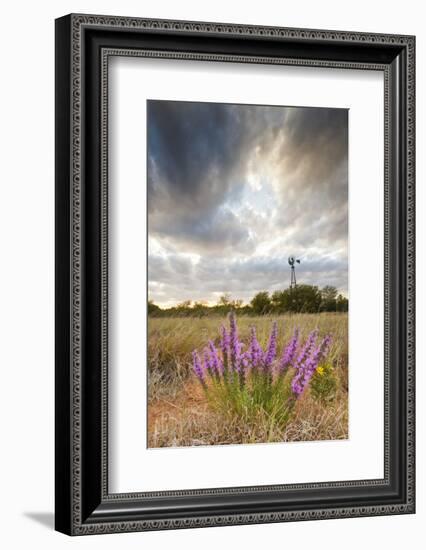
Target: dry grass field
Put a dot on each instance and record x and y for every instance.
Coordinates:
(179, 413)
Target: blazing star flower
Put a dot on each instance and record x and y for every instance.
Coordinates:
(231, 363)
(271, 350)
(306, 349)
(318, 354)
(296, 386)
(198, 368)
(289, 352)
(325, 345)
(239, 356)
(234, 344)
(216, 362)
(256, 352)
(244, 360)
(224, 341)
(207, 361)
(307, 369)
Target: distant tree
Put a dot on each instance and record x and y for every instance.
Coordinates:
(245, 310)
(279, 301)
(184, 305)
(328, 298)
(225, 304)
(183, 309)
(153, 309)
(299, 299)
(342, 303)
(200, 309)
(304, 299)
(261, 303)
(224, 299)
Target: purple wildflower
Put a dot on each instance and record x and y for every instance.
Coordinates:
(225, 347)
(244, 360)
(230, 362)
(272, 347)
(198, 368)
(224, 341)
(239, 356)
(207, 361)
(256, 352)
(296, 385)
(306, 371)
(309, 367)
(321, 350)
(234, 344)
(289, 351)
(306, 349)
(216, 362)
(241, 364)
(319, 353)
(325, 346)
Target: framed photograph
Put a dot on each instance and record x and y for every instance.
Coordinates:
(234, 274)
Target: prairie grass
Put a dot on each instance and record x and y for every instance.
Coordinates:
(180, 413)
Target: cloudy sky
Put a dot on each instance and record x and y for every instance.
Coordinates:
(233, 190)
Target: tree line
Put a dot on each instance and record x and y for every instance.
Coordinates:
(299, 299)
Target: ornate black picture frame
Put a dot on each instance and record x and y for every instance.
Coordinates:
(83, 45)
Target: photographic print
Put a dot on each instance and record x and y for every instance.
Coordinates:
(248, 297)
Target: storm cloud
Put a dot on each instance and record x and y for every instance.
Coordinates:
(233, 190)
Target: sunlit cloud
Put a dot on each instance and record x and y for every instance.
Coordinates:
(233, 190)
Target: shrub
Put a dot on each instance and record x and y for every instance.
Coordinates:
(253, 383)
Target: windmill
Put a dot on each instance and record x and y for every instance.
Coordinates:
(291, 261)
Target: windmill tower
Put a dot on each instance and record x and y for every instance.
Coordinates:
(291, 261)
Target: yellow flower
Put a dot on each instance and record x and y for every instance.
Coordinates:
(320, 370)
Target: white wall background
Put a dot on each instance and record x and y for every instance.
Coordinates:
(27, 245)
